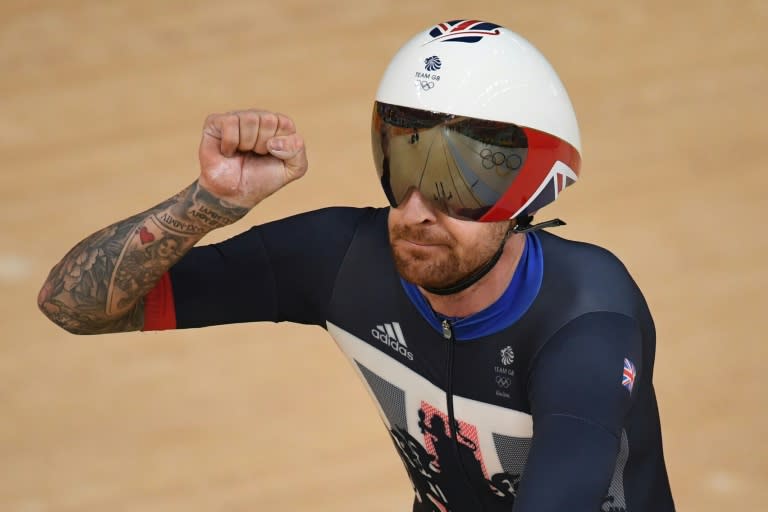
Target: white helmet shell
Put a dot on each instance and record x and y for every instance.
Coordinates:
(481, 70)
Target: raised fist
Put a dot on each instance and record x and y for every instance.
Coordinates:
(248, 155)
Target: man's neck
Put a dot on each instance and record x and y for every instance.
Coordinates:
(484, 292)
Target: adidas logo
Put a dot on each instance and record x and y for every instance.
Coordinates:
(392, 335)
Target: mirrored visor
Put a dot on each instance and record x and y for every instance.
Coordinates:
(462, 164)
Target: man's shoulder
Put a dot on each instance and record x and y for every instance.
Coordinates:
(587, 277)
(361, 228)
(363, 221)
(335, 215)
(574, 254)
(330, 222)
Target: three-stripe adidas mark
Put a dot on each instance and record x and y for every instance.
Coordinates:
(391, 335)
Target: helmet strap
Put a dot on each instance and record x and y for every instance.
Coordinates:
(523, 225)
(463, 284)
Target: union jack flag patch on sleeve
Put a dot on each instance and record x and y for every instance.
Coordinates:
(628, 378)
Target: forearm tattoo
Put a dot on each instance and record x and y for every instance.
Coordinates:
(99, 285)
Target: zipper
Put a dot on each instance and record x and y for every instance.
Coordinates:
(452, 423)
(448, 335)
(447, 331)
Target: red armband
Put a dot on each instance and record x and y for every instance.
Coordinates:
(159, 308)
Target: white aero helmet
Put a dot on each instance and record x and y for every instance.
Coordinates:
(475, 118)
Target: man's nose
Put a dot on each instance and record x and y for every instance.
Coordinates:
(416, 208)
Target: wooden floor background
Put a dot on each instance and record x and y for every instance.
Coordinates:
(101, 105)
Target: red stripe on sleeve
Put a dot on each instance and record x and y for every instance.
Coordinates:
(159, 308)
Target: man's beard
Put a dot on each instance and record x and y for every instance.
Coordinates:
(441, 267)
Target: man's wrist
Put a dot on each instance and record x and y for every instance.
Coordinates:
(198, 212)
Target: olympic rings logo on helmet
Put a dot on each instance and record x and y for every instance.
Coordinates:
(425, 84)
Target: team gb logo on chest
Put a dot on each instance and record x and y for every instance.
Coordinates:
(507, 356)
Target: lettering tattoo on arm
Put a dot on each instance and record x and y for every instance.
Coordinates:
(98, 287)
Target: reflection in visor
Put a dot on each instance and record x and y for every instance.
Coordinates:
(463, 164)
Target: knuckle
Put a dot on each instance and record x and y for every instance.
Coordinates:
(211, 119)
(269, 119)
(287, 122)
(249, 116)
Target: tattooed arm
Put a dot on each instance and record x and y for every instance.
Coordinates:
(98, 287)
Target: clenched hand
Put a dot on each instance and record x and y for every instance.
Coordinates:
(248, 155)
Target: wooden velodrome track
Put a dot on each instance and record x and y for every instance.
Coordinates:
(101, 105)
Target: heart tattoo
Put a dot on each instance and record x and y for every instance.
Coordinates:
(145, 236)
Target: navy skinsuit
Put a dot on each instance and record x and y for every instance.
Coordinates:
(542, 402)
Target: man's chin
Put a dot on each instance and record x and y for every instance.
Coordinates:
(428, 266)
(421, 273)
(429, 283)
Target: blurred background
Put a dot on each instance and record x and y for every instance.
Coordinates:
(101, 105)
